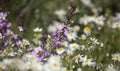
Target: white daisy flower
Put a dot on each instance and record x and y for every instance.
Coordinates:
(37, 66)
(116, 25)
(11, 53)
(94, 41)
(77, 58)
(72, 36)
(7, 62)
(60, 13)
(91, 18)
(30, 57)
(84, 20)
(20, 64)
(87, 47)
(110, 68)
(74, 46)
(54, 63)
(83, 37)
(54, 27)
(86, 61)
(29, 65)
(79, 69)
(36, 41)
(69, 52)
(24, 43)
(100, 21)
(2, 66)
(75, 28)
(87, 30)
(65, 44)
(116, 57)
(87, 3)
(60, 50)
(65, 69)
(46, 67)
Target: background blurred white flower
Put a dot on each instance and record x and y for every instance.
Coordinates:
(54, 27)
(61, 14)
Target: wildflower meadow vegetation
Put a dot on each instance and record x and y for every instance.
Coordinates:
(59, 35)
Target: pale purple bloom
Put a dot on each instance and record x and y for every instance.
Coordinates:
(60, 36)
(4, 27)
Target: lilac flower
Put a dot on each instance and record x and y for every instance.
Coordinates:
(15, 37)
(60, 35)
(4, 27)
(41, 53)
(57, 42)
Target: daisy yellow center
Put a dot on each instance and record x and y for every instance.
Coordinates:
(86, 61)
(71, 34)
(117, 24)
(24, 43)
(85, 19)
(36, 67)
(66, 70)
(92, 41)
(30, 65)
(9, 52)
(68, 59)
(47, 42)
(36, 41)
(87, 46)
(20, 63)
(32, 58)
(74, 47)
(87, 28)
(99, 19)
(4, 52)
(37, 35)
(76, 57)
(60, 49)
(7, 63)
(117, 57)
(91, 16)
(55, 65)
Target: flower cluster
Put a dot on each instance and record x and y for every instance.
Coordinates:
(80, 47)
(4, 30)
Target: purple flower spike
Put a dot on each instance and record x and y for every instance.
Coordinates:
(4, 27)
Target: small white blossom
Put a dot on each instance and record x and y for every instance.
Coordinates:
(110, 68)
(85, 61)
(74, 46)
(100, 21)
(72, 36)
(87, 30)
(116, 57)
(60, 50)
(37, 29)
(20, 28)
